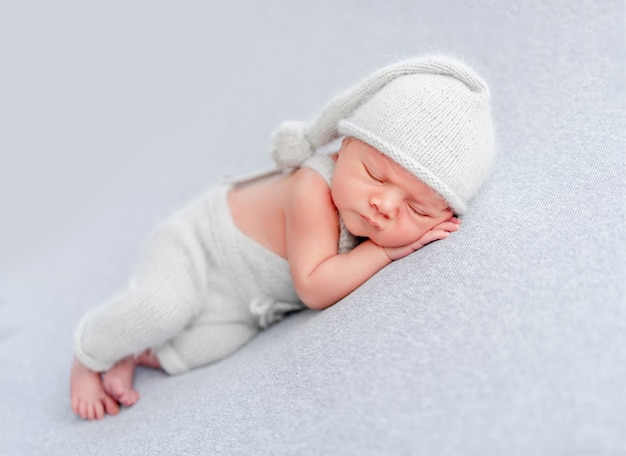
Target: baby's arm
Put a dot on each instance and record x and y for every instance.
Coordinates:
(322, 285)
(321, 276)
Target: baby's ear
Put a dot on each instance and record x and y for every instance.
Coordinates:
(345, 141)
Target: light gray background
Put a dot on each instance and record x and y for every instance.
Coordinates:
(507, 338)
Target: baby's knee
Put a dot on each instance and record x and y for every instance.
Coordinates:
(203, 344)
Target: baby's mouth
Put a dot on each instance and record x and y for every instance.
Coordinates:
(371, 222)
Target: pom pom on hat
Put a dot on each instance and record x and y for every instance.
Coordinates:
(290, 146)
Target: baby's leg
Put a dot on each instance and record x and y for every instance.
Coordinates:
(163, 298)
(223, 324)
(204, 343)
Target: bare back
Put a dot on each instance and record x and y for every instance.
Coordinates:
(258, 210)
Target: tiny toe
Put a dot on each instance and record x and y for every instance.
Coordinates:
(82, 410)
(90, 412)
(129, 398)
(99, 410)
(123, 398)
(110, 406)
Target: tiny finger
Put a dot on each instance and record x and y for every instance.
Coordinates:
(432, 236)
(447, 226)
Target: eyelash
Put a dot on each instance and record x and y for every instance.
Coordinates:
(369, 173)
(416, 212)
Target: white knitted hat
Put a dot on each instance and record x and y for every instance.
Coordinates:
(430, 115)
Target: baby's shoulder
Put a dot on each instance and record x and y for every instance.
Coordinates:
(306, 182)
(308, 191)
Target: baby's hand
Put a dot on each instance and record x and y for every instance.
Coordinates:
(439, 232)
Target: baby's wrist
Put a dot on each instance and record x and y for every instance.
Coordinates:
(383, 252)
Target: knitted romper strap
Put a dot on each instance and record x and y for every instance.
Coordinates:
(324, 165)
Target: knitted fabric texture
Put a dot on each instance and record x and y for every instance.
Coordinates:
(431, 115)
(200, 290)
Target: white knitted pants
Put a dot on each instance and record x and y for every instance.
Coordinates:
(179, 302)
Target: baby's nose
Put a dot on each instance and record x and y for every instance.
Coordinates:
(386, 203)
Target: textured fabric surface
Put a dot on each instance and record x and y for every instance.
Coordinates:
(506, 338)
(200, 290)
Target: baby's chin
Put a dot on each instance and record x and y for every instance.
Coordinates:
(389, 245)
(360, 228)
(382, 240)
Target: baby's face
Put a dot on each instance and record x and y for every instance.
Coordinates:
(378, 199)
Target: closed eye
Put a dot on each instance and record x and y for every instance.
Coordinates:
(416, 211)
(371, 175)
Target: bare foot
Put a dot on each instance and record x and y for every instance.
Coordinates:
(89, 400)
(118, 381)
